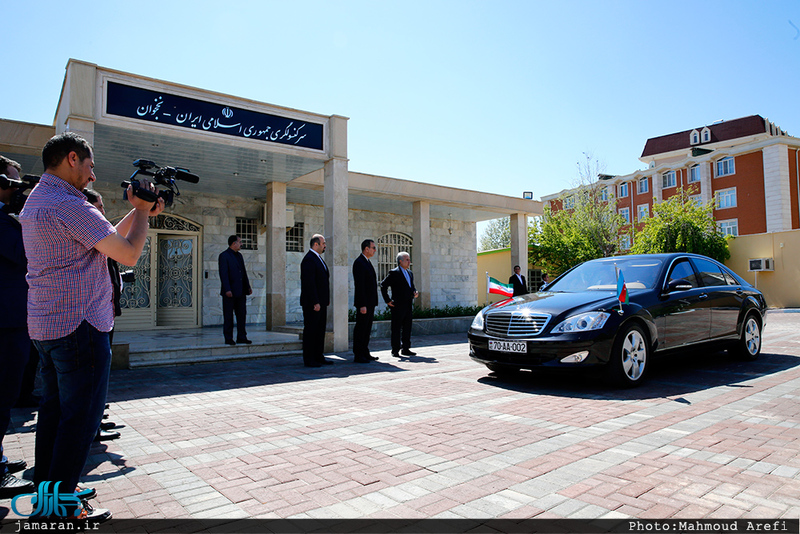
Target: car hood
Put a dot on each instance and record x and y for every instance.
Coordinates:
(556, 303)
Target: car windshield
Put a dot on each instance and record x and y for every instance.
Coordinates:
(639, 273)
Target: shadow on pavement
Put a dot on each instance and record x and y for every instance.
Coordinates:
(669, 376)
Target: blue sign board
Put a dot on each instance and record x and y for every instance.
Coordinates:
(164, 108)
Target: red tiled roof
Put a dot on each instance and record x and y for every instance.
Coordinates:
(723, 131)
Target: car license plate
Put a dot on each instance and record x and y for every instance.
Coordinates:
(508, 346)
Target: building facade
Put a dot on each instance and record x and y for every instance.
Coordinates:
(748, 167)
(273, 175)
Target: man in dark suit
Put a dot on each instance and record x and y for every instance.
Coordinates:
(365, 298)
(235, 288)
(403, 292)
(518, 281)
(314, 298)
(14, 341)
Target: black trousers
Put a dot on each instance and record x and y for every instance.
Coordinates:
(401, 327)
(314, 334)
(362, 330)
(231, 305)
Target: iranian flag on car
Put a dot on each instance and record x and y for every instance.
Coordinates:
(498, 288)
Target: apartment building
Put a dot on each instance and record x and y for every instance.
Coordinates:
(747, 166)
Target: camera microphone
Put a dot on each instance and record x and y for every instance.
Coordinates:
(186, 176)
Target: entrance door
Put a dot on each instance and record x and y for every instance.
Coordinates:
(166, 290)
(176, 267)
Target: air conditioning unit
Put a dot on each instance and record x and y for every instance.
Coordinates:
(289, 216)
(761, 264)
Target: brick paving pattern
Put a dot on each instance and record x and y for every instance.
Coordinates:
(437, 436)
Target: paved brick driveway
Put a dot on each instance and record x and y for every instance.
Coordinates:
(437, 436)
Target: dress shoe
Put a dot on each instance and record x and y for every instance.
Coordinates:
(11, 486)
(395, 354)
(14, 467)
(230, 342)
(105, 435)
(107, 425)
(244, 341)
(371, 357)
(406, 352)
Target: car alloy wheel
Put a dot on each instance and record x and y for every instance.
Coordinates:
(629, 357)
(749, 346)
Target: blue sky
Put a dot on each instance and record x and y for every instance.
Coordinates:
(499, 96)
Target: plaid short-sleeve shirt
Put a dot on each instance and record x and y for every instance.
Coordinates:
(67, 278)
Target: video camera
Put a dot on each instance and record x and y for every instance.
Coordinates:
(164, 176)
(18, 199)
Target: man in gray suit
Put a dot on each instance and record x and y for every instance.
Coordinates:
(400, 282)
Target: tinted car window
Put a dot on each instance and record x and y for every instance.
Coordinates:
(731, 278)
(710, 273)
(602, 275)
(683, 270)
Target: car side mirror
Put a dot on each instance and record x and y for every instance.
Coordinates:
(678, 285)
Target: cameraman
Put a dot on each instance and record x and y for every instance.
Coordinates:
(70, 308)
(14, 341)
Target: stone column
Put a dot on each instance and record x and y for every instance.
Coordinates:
(76, 109)
(422, 253)
(276, 255)
(519, 242)
(336, 230)
(706, 188)
(777, 194)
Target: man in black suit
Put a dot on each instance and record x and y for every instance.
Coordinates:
(518, 281)
(235, 288)
(314, 298)
(401, 282)
(365, 299)
(14, 341)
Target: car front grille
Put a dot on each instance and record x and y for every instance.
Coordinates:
(515, 324)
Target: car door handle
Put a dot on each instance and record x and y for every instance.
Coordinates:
(703, 296)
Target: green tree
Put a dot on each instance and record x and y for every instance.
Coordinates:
(679, 224)
(497, 234)
(588, 227)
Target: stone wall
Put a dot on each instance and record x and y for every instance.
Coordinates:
(453, 259)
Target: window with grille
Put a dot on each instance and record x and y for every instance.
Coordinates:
(642, 212)
(726, 166)
(247, 230)
(389, 245)
(726, 198)
(668, 179)
(644, 186)
(626, 214)
(294, 238)
(694, 174)
(730, 227)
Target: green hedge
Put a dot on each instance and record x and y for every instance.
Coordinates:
(427, 313)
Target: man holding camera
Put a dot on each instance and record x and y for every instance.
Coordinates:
(14, 340)
(70, 309)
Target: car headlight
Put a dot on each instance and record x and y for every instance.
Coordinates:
(582, 323)
(477, 322)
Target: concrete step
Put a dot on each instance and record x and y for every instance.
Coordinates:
(191, 354)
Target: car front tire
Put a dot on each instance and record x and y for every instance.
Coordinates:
(629, 357)
(749, 345)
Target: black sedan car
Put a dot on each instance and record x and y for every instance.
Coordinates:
(578, 320)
